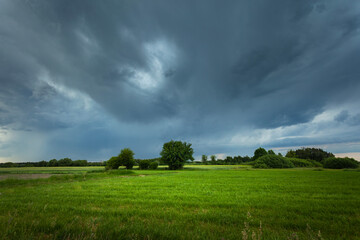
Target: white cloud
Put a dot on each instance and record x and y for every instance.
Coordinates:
(333, 135)
(161, 56)
(355, 155)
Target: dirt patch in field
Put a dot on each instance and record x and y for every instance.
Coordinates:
(25, 176)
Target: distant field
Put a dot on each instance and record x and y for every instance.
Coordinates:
(200, 202)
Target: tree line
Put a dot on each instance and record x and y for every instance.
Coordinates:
(213, 160)
(176, 153)
(64, 162)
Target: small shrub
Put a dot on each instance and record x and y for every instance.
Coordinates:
(153, 165)
(260, 165)
(339, 163)
(144, 164)
(273, 161)
(315, 163)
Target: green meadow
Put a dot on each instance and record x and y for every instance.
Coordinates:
(199, 202)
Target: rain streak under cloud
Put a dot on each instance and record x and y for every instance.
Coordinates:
(85, 79)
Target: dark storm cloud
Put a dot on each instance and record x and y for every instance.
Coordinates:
(211, 67)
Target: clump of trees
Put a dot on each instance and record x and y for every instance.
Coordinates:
(147, 164)
(304, 157)
(176, 153)
(268, 159)
(339, 163)
(316, 154)
(125, 158)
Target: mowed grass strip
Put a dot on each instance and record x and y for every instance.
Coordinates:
(196, 204)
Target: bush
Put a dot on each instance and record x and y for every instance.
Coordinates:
(260, 165)
(300, 162)
(153, 165)
(315, 163)
(144, 164)
(273, 161)
(339, 163)
(113, 163)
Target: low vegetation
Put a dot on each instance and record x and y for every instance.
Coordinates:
(297, 162)
(147, 164)
(272, 161)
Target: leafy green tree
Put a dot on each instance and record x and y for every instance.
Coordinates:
(259, 153)
(53, 163)
(246, 159)
(176, 153)
(126, 158)
(271, 152)
(228, 160)
(290, 154)
(213, 159)
(237, 159)
(204, 159)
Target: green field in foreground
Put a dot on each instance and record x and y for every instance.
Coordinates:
(207, 202)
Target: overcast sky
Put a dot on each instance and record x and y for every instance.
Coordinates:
(84, 79)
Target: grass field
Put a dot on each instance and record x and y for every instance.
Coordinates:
(200, 202)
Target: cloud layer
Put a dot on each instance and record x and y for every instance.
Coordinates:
(86, 79)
